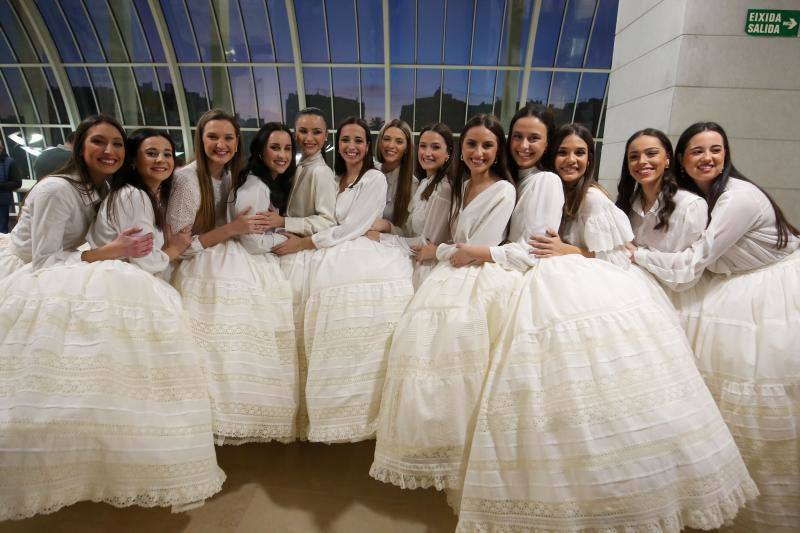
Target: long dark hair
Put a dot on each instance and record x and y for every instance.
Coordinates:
(626, 190)
(720, 182)
(130, 176)
(446, 134)
(574, 193)
(499, 166)
(546, 117)
(402, 195)
(279, 187)
(339, 166)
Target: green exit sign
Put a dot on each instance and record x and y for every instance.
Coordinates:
(772, 22)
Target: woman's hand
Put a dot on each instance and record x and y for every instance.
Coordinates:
(293, 244)
(551, 245)
(463, 256)
(631, 248)
(176, 242)
(245, 224)
(129, 245)
(424, 252)
(274, 219)
(381, 225)
(373, 235)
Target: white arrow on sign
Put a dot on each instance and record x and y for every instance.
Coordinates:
(791, 23)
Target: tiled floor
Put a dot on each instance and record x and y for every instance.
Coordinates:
(297, 488)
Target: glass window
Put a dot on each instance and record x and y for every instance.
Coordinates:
(148, 28)
(428, 97)
(59, 30)
(547, 31)
(127, 94)
(601, 47)
(82, 89)
(454, 98)
(219, 87)
(342, 32)
(19, 93)
(281, 37)
(370, 31)
(244, 97)
(6, 55)
(372, 96)
(234, 39)
(16, 35)
(195, 88)
(257, 26)
(516, 32)
(481, 92)
(104, 91)
(180, 30)
(430, 32)
(577, 23)
(311, 29)
(150, 96)
(130, 31)
(402, 25)
(488, 30)
(168, 94)
(401, 99)
(590, 100)
(83, 30)
(7, 112)
(458, 33)
(268, 95)
(57, 97)
(206, 32)
(539, 87)
(562, 96)
(318, 91)
(506, 94)
(41, 95)
(291, 104)
(345, 93)
(106, 29)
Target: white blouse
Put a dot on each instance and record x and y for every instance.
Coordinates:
(427, 220)
(53, 223)
(132, 208)
(601, 227)
(392, 180)
(540, 203)
(686, 223)
(741, 236)
(313, 197)
(254, 193)
(484, 220)
(184, 202)
(356, 209)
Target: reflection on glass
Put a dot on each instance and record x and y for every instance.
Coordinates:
(539, 87)
(17, 37)
(517, 29)
(168, 94)
(22, 100)
(577, 23)
(149, 30)
(402, 18)
(547, 32)
(7, 112)
(41, 95)
(127, 95)
(180, 30)
(310, 16)
(57, 97)
(258, 28)
(342, 32)
(402, 94)
(345, 94)
(107, 32)
(428, 97)
(83, 32)
(194, 87)
(219, 87)
(458, 33)
(6, 55)
(488, 31)
(562, 96)
(104, 91)
(372, 96)
(268, 94)
(601, 46)
(82, 89)
(55, 22)
(454, 98)
(205, 31)
(280, 30)
(481, 92)
(149, 95)
(234, 39)
(318, 90)
(370, 31)
(429, 32)
(590, 100)
(288, 83)
(244, 97)
(506, 90)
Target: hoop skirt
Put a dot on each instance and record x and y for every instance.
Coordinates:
(240, 310)
(594, 416)
(358, 290)
(102, 393)
(9, 262)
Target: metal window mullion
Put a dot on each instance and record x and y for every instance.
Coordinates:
(11, 96)
(327, 33)
(471, 50)
(68, 24)
(191, 29)
(138, 17)
(175, 73)
(115, 23)
(30, 95)
(502, 33)
(91, 88)
(558, 48)
(577, 94)
(444, 33)
(224, 55)
(358, 31)
(49, 90)
(603, 107)
(28, 125)
(271, 33)
(24, 31)
(160, 96)
(387, 62)
(298, 65)
(94, 31)
(591, 31)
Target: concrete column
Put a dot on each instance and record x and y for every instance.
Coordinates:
(681, 61)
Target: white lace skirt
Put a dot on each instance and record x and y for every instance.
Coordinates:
(240, 308)
(357, 292)
(595, 418)
(9, 262)
(745, 330)
(102, 393)
(437, 364)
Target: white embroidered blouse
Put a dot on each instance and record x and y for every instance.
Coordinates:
(313, 197)
(427, 220)
(686, 223)
(254, 193)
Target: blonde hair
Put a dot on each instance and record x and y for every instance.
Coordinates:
(402, 196)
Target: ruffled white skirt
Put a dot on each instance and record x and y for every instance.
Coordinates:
(438, 360)
(357, 293)
(240, 308)
(594, 417)
(102, 393)
(745, 331)
(9, 262)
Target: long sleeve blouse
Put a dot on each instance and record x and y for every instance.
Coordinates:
(312, 199)
(131, 208)
(741, 236)
(254, 193)
(184, 202)
(356, 209)
(540, 202)
(600, 227)
(54, 221)
(484, 220)
(427, 220)
(686, 223)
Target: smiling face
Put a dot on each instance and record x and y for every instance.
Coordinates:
(704, 158)
(219, 144)
(155, 161)
(647, 160)
(528, 141)
(393, 147)
(353, 144)
(479, 149)
(311, 133)
(432, 152)
(277, 153)
(572, 158)
(103, 151)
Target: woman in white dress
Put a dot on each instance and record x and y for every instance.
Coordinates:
(440, 350)
(102, 394)
(746, 329)
(358, 289)
(594, 416)
(229, 295)
(395, 155)
(310, 209)
(429, 209)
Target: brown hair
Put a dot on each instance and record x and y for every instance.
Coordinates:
(402, 195)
